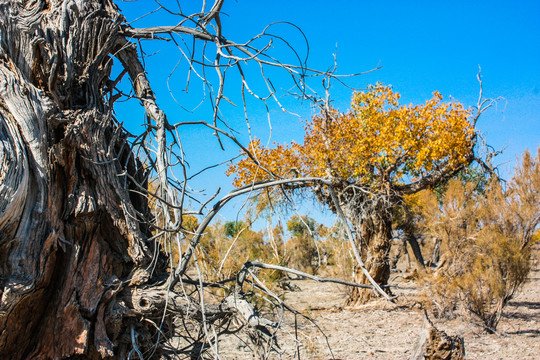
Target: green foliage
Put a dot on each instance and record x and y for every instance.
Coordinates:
(471, 174)
(301, 226)
(232, 228)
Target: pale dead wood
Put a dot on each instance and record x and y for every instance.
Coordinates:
(83, 271)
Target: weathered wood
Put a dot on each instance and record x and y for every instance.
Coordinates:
(80, 274)
(68, 228)
(435, 344)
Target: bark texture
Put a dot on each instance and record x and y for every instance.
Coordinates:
(375, 242)
(370, 214)
(80, 274)
(435, 344)
(444, 347)
(68, 229)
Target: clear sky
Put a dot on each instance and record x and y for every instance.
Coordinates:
(422, 46)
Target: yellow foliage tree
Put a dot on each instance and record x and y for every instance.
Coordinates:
(373, 155)
(378, 142)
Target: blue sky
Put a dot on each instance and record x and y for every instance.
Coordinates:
(422, 47)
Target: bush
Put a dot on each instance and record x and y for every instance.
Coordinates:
(487, 238)
(338, 253)
(302, 250)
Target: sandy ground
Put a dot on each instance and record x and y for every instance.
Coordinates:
(381, 330)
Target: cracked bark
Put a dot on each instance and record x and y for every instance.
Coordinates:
(68, 229)
(75, 244)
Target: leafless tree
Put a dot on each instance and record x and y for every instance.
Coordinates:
(83, 273)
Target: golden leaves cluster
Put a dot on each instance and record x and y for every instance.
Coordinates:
(377, 141)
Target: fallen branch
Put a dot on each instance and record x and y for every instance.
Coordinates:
(261, 265)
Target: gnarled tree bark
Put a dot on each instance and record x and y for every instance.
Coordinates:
(375, 241)
(81, 271)
(68, 221)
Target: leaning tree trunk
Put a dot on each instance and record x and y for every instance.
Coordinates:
(375, 241)
(67, 219)
(409, 237)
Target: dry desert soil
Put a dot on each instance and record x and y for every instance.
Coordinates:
(383, 330)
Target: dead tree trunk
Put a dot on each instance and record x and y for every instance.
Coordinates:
(68, 229)
(406, 222)
(436, 254)
(371, 219)
(417, 251)
(81, 273)
(79, 276)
